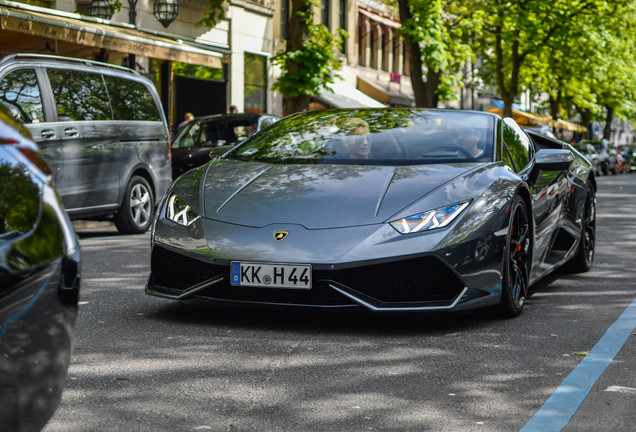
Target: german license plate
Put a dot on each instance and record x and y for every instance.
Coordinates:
(271, 275)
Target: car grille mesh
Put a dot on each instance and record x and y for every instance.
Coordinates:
(424, 279)
(413, 280)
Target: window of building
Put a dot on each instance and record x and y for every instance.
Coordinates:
(396, 55)
(284, 18)
(373, 55)
(342, 21)
(325, 12)
(361, 42)
(255, 83)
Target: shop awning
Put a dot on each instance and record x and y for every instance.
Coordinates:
(76, 29)
(532, 119)
(346, 96)
(385, 93)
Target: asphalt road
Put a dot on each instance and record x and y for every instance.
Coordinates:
(145, 364)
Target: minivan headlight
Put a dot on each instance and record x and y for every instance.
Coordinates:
(431, 219)
(179, 212)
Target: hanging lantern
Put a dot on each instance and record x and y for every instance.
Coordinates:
(100, 9)
(166, 11)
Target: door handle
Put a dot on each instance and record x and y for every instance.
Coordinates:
(48, 133)
(71, 132)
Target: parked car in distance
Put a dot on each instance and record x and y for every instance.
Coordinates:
(388, 209)
(629, 154)
(101, 129)
(39, 283)
(194, 142)
(590, 153)
(606, 163)
(615, 161)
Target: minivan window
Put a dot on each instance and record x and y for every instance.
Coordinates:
(79, 95)
(131, 100)
(20, 92)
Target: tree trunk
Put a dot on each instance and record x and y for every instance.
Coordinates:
(431, 86)
(296, 38)
(555, 104)
(586, 120)
(609, 119)
(415, 57)
(295, 104)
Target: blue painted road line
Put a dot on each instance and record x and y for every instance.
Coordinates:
(557, 411)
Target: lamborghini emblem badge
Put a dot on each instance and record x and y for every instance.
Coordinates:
(279, 235)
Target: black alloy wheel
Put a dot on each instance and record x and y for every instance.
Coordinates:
(584, 257)
(136, 212)
(514, 290)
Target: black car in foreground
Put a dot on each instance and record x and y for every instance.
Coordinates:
(194, 142)
(388, 209)
(39, 284)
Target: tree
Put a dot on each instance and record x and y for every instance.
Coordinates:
(308, 60)
(518, 31)
(437, 35)
(588, 64)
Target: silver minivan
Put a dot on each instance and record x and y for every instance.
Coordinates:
(101, 128)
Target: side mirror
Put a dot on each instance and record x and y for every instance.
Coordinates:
(553, 160)
(550, 160)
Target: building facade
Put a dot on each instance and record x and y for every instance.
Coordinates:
(205, 71)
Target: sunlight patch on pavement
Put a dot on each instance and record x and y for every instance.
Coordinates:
(557, 411)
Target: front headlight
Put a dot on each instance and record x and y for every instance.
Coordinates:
(436, 218)
(179, 212)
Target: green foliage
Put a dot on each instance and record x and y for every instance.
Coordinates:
(576, 51)
(196, 71)
(115, 4)
(315, 61)
(19, 199)
(308, 69)
(444, 31)
(217, 9)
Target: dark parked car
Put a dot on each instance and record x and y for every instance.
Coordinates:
(615, 161)
(590, 153)
(389, 209)
(606, 161)
(101, 129)
(39, 284)
(194, 142)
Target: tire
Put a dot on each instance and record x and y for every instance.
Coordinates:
(136, 211)
(605, 169)
(584, 257)
(516, 262)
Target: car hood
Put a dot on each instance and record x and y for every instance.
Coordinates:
(317, 196)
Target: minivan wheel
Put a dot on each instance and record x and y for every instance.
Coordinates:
(135, 214)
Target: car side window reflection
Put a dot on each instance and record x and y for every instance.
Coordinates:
(131, 100)
(518, 143)
(79, 95)
(20, 92)
(507, 158)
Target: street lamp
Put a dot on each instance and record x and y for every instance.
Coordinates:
(166, 11)
(100, 9)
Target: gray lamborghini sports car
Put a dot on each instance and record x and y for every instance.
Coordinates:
(386, 209)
